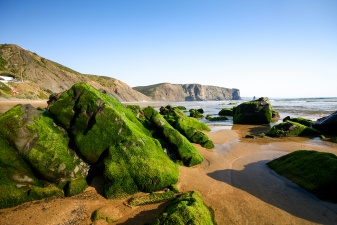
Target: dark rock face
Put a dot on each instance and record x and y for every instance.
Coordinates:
(188, 92)
(254, 112)
(328, 124)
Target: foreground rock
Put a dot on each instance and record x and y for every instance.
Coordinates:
(328, 124)
(254, 112)
(188, 208)
(314, 171)
(108, 135)
(36, 161)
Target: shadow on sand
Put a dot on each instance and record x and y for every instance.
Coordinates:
(260, 181)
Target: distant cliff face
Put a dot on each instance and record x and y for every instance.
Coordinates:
(188, 92)
(42, 77)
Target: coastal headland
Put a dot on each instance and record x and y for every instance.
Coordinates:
(233, 180)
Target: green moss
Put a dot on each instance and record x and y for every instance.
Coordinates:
(314, 171)
(300, 120)
(226, 112)
(152, 198)
(188, 208)
(290, 128)
(87, 114)
(188, 154)
(45, 192)
(75, 187)
(109, 134)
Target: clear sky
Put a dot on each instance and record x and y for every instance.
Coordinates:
(272, 48)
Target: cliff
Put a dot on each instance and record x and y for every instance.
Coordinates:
(188, 92)
(42, 77)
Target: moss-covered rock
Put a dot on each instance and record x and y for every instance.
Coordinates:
(182, 147)
(188, 208)
(314, 171)
(254, 112)
(300, 120)
(290, 128)
(226, 112)
(109, 135)
(42, 144)
(16, 177)
(36, 161)
(190, 127)
(196, 113)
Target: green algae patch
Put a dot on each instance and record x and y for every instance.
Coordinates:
(254, 112)
(314, 171)
(108, 134)
(152, 198)
(290, 128)
(188, 208)
(186, 152)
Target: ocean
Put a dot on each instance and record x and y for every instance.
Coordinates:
(309, 108)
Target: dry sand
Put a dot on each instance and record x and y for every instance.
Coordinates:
(233, 179)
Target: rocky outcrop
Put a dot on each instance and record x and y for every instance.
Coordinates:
(254, 112)
(188, 92)
(108, 135)
(42, 77)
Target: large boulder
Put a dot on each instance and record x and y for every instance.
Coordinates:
(108, 135)
(289, 128)
(36, 161)
(254, 112)
(328, 124)
(188, 208)
(179, 145)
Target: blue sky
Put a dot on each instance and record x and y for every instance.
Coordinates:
(273, 48)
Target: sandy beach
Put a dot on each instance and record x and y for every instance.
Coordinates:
(233, 179)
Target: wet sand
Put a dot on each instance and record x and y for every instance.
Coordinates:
(233, 179)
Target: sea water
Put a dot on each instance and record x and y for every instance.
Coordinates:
(309, 108)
